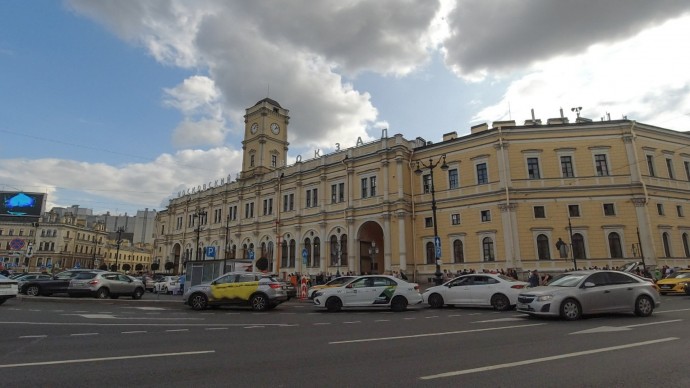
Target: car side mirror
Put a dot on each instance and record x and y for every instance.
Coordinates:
(589, 285)
(349, 286)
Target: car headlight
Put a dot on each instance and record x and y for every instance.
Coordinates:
(544, 298)
(318, 293)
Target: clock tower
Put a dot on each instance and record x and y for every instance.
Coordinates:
(265, 144)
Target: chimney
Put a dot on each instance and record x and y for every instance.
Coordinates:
(479, 128)
(450, 136)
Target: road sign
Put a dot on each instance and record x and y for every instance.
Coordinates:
(78, 265)
(16, 244)
(304, 255)
(437, 246)
(211, 251)
(251, 255)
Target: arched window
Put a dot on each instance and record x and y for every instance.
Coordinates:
(317, 252)
(543, 251)
(291, 255)
(307, 247)
(284, 254)
(488, 249)
(458, 252)
(430, 253)
(579, 246)
(615, 248)
(667, 244)
(686, 247)
(343, 250)
(334, 250)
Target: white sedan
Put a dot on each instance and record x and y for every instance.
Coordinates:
(369, 291)
(167, 285)
(8, 289)
(480, 290)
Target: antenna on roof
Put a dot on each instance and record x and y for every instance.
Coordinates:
(268, 90)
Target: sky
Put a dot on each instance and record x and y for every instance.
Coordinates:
(118, 105)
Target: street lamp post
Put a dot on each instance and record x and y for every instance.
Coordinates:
(119, 241)
(430, 166)
(198, 214)
(225, 254)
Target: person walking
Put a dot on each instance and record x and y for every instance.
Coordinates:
(534, 279)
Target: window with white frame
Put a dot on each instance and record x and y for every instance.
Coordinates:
(482, 173)
(601, 165)
(567, 169)
(533, 168)
(453, 178)
(455, 219)
(650, 164)
(669, 167)
(485, 215)
(609, 209)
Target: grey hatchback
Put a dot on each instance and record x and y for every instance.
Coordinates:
(105, 284)
(255, 289)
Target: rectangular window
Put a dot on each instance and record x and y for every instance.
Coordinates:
(426, 183)
(486, 215)
(533, 168)
(334, 193)
(669, 167)
(274, 160)
(482, 174)
(660, 208)
(574, 210)
(650, 164)
(232, 211)
(539, 212)
(312, 198)
(428, 222)
(455, 219)
(679, 210)
(453, 179)
(251, 161)
(687, 170)
(567, 167)
(609, 209)
(365, 191)
(249, 210)
(601, 165)
(341, 192)
(372, 184)
(268, 206)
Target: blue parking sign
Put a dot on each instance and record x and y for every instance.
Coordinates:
(437, 246)
(211, 251)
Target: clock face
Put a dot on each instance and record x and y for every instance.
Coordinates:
(255, 127)
(275, 128)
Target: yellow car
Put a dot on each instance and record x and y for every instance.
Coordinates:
(339, 281)
(674, 283)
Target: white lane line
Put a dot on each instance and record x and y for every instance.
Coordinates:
(105, 359)
(33, 336)
(254, 327)
(142, 324)
(521, 319)
(216, 328)
(82, 334)
(175, 330)
(433, 334)
(134, 332)
(655, 323)
(432, 316)
(545, 359)
(408, 319)
(670, 311)
(350, 322)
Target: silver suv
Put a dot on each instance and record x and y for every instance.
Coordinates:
(258, 290)
(105, 284)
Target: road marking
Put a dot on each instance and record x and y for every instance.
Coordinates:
(82, 334)
(670, 311)
(432, 316)
(350, 322)
(134, 332)
(433, 334)
(321, 323)
(146, 308)
(254, 327)
(502, 320)
(407, 319)
(140, 324)
(609, 329)
(176, 330)
(33, 336)
(454, 315)
(382, 320)
(544, 359)
(104, 316)
(75, 361)
(216, 328)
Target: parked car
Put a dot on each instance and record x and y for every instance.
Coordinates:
(8, 289)
(54, 285)
(105, 284)
(260, 291)
(674, 283)
(687, 288)
(149, 282)
(481, 290)
(167, 285)
(335, 282)
(369, 291)
(289, 288)
(574, 294)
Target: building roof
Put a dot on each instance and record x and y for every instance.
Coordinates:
(270, 101)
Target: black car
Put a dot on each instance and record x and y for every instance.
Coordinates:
(56, 284)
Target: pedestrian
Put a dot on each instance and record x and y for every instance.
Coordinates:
(182, 278)
(534, 279)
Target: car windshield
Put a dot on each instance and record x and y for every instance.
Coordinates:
(341, 280)
(2, 277)
(567, 280)
(679, 275)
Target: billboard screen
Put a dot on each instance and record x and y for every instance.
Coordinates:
(19, 203)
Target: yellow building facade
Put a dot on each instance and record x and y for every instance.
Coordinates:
(528, 196)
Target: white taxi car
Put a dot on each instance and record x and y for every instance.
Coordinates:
(478, 290)
(369, 291)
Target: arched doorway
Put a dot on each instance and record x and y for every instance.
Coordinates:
(371, 254)
(176, 253)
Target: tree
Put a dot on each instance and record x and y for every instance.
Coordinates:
(154, 267)
(139, 267)
(126, 267)
(103, 267)
(169, 266)
(113, 267)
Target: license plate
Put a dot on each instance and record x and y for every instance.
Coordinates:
(521, 306)
(665, 286)
(5, 286)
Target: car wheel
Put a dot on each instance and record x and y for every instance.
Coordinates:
(164, 290)
(399, 304)
(334, 304)
(102, 293)
(644, 306)
(500, 302)
(570, 310)
(137, 293)
(435, 301)
(198, 301)
(259, 302)
(33, 291)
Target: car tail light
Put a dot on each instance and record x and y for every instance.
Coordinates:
(276, 285)
(93, 282)
(518, 286)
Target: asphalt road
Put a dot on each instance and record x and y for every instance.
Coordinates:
(158, 342)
